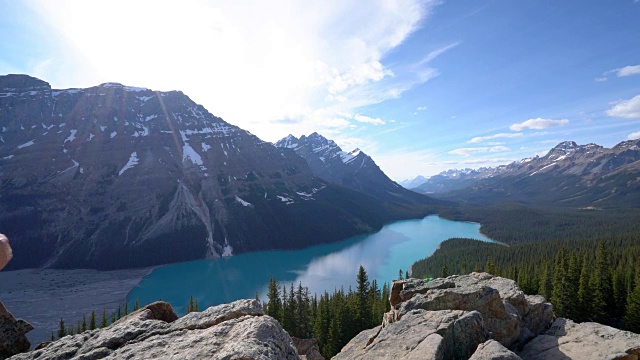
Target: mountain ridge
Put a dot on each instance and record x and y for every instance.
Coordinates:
(573, 174)
(114, 176)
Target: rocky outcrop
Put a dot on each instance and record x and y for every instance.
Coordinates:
(239, 330)
(568, 340)
(446, 334)
(308, 349)
(5, 251)
(480, 316)
(12, 334)
(493, 350)
(509, 315)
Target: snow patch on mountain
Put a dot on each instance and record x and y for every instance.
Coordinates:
(243, 202)
(133, 161)
(72, 136)
(27, 144)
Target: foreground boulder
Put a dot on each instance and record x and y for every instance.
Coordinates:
(510, 316)
(481, 317)
(493, 350)
(12, 334)
(239, 330)
(568, 340)
(447, 334)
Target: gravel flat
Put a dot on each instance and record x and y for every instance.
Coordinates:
(43, 296)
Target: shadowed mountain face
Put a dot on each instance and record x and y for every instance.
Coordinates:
(569, 174)
(115, 176)
(355, 170)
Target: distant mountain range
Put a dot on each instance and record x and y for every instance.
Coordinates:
(355, 170)
(569, 174)
(114, 176)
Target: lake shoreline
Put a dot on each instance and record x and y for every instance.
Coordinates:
(43, 296)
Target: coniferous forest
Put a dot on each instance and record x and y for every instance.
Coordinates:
(587, 264)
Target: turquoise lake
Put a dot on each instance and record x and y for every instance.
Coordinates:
(324, 267)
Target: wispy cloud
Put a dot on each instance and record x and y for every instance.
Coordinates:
(634, 135)
(421, 108)
(466, 152)
(480, 139)
(368, 120)
(629, 109)
(620, 72)
(538, 124)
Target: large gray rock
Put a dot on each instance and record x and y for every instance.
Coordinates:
(493, 350)
(509, 315)
(12, 334)
(568, 340)
(238, 330)
(421, 334)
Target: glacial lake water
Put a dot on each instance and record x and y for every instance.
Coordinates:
(323, 267)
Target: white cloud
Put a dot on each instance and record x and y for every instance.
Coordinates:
(634, 135)
(538, 124)
(421, 108)
(628, 71)
(480, 139)
(629, 109)
(368, 120)
(297, 63)
(466, 152)
(620, 72)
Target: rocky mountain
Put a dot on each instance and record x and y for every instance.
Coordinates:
(355, 169)
(413, 183)
(569, 174)
(114, 176)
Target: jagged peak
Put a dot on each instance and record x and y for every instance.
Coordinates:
(288, 141)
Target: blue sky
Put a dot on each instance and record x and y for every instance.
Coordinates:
(421, 86)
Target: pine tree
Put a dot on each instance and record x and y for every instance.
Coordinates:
(62, 331)
(53, 336)
(400, 274)
(84, 323)
(406, 274)
(601, 299)
(632, 314)
(573, 281)
(363, 310)
(583, 312)
(103, 323)
(619, 292)
(559, 294)
(274, 305)
(490, 267)
(545, 281)
(136, 306)
(126, 308)
(445, 271)
(92, 321)
(113, 317)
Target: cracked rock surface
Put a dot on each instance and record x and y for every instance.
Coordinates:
(239, 330)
